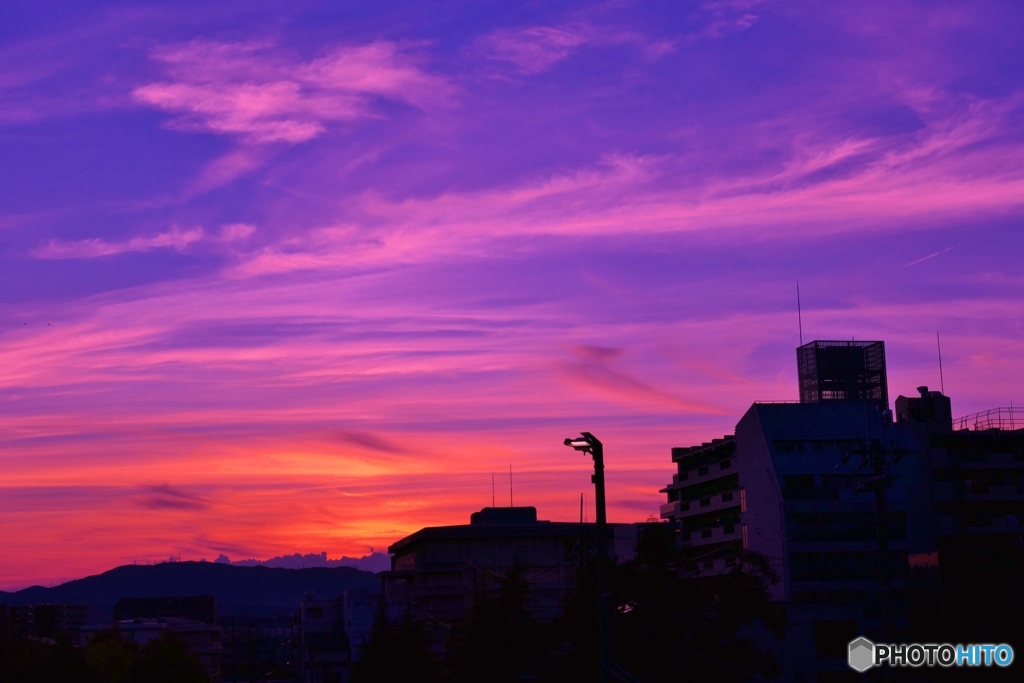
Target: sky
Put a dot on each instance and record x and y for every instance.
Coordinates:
(283, 277)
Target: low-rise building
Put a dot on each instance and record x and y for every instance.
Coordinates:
(199, 638)
(323, 642)
(436, 571)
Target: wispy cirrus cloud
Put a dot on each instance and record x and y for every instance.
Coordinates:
(534, 49)
(728, 17)
(825, 185)
(262, 95)
(167, 497)
(593, 366)
(174, 239)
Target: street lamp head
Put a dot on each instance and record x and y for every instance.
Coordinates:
(579, 443)
(585, 443)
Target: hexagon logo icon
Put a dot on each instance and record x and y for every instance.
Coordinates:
(861, 654)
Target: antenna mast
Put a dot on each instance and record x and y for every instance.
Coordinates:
(799, 313)
(510, 503)
(942, 382)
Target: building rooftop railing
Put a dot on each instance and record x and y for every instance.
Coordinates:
(994, 418)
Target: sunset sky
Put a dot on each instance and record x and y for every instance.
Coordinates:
(286, 277)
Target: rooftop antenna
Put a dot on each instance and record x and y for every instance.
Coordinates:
(942, 382)
(581, 508)
(492, 490)
(799, 314)
(510, 503)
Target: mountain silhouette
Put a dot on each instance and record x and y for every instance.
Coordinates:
(240, 591)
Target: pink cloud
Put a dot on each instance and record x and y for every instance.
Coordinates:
(260, 95)
(728, 17)
(533, 49)
(227, 168)
(939, 174)
(175, 238)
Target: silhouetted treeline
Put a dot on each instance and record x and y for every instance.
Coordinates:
(105, 659)
(664, 628)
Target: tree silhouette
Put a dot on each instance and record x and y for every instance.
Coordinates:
(395, 650)
(500, 640)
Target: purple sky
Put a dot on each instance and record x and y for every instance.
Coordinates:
(286, 277)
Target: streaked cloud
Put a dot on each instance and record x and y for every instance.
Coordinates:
(166, 497)
(534, 49)
(175, 239)
(258, 94)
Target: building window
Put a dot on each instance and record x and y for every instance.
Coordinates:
(314, 612)
(701, 471)
(705, 533)
(704, 502)
(726, 497)
(683, 476)
(725, 464)
(684, 506)
(729, 528)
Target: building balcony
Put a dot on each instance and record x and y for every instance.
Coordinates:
(687, 508)
(715, 535)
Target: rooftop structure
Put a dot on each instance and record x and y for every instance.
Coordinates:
(996, 418)
(842, 371)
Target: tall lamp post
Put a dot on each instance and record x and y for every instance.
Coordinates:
(588, 443)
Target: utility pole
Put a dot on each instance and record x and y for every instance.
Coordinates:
(588, 443)
(876, 456)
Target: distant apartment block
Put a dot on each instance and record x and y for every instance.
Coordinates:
(201, 608)
(323, 642)
(43, 621)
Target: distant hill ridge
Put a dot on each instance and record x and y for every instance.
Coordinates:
(240, 590)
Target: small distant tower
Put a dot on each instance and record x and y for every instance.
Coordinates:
(843, 371)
